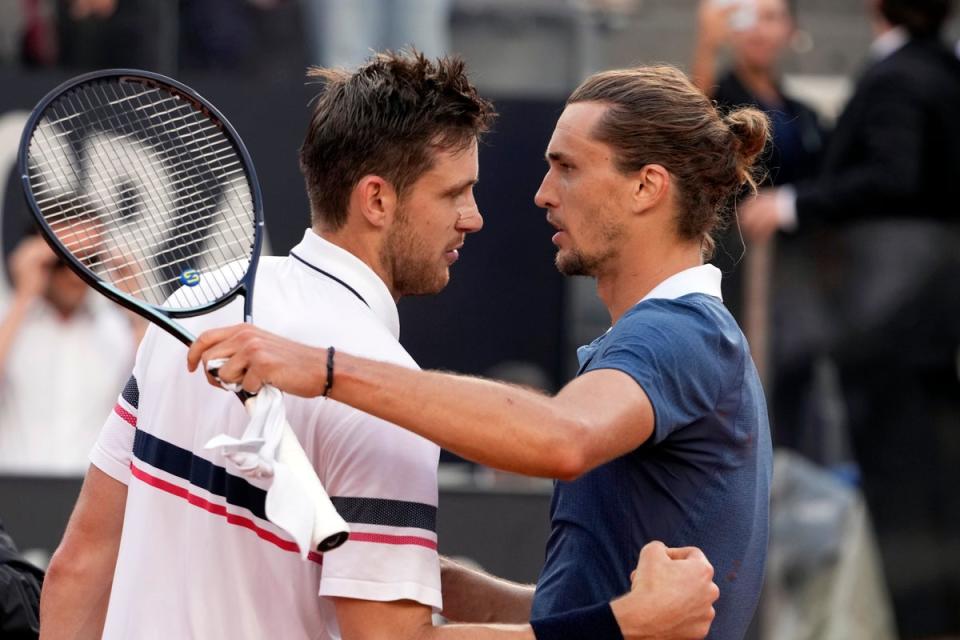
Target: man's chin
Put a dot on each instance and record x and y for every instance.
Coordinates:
(570, 264)
(429, 287)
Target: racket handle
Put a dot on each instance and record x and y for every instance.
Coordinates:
(330, 530)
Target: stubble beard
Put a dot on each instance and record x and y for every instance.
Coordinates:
(406, 257)
(574, 262)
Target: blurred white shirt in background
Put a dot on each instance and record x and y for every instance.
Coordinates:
(60, 383)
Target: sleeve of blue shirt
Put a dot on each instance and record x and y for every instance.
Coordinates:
(677, 352)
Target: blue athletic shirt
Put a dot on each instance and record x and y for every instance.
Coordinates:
(702, 478)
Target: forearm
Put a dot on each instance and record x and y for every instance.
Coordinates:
(73, 602)
(595, 418)
(478, 632)
(474, 596)
(488, 422)
(703, 69)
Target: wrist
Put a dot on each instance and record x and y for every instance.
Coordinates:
(328, 378)
(596, 622)
(708, 44)
(632, 618)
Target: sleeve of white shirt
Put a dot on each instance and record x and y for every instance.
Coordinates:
(383, 481)
(113, 450)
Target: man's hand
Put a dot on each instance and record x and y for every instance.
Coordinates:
(714, 23)
(671, 597)
(30, 267)
(256, 357)
(759, 216)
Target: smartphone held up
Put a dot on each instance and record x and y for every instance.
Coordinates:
(744, 16)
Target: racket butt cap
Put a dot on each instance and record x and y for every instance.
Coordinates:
(332, 542)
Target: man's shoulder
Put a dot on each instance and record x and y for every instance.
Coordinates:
(917, 66)
(693, 325)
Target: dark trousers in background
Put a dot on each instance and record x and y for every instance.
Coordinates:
(141, 34)
(897, 355)
(906, 438)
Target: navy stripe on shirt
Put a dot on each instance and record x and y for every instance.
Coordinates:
(204, 474)
(131, 393)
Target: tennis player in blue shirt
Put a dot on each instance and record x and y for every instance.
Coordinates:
(663, 434)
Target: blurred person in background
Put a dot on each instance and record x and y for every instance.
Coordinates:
(342, 33)
(64, 352)
(11, 32)
(756, 49)
(95, 34)
(890, 188)
(758, 34)
(156, 35)
(252, 36)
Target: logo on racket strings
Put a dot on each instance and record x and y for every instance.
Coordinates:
(190, 277)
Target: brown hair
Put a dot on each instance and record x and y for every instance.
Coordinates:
(657, 116)
(385, 119)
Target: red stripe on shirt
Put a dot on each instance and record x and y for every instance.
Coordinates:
(220, 510)
(126, 415)
(383, 538)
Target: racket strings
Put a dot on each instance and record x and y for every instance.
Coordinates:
(201, 146)
(174, 234)
(114, 166)
(181, 251)
(146, 191)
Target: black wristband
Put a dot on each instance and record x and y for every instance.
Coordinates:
(329, 385)
(595, 622)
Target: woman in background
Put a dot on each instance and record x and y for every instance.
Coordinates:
(758, 34)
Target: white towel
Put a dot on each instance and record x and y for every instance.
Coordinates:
(269, 450)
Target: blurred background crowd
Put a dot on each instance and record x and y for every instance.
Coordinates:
(844, 272)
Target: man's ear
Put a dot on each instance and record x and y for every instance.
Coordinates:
(375, 199)
(651, 187)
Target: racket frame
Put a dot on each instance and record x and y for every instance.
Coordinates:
(153, 313)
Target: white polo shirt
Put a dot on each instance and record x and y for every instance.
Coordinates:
(197, 557)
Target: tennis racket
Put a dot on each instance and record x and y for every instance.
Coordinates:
(147, 193)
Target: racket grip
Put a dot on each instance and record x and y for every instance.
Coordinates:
(330, 529)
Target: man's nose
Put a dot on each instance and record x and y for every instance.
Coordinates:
(544, 197)
(470, 220)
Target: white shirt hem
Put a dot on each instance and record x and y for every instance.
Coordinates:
(381, 591)
(109, 465)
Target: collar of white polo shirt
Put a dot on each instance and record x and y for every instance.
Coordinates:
(333, 261)
(703, 279)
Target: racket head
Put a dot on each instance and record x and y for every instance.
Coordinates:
(146, 191)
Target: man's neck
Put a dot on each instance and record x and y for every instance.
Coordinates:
(64, 312)
(364, 249)
(624, 284)
(880, 26)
